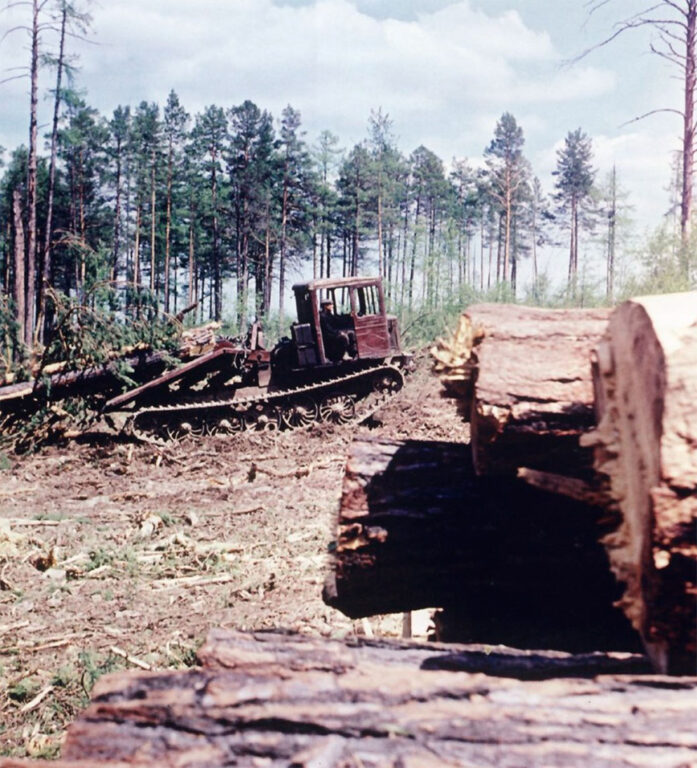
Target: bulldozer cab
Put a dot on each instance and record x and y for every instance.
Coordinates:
(357, 313)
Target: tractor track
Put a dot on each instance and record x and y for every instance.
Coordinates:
(237, 407)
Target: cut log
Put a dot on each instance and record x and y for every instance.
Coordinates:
(102, 379)
(645, 375)
(142, 363)
(523, 377)
(270, 699)
(417, 528)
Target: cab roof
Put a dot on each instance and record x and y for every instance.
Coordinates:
(336, 282)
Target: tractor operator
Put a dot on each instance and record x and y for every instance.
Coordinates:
(336, 341)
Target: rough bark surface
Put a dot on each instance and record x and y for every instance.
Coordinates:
(417, 528)
(645, 374)
(523, 374)
(269, 699)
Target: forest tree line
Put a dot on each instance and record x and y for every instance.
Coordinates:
(153, 198)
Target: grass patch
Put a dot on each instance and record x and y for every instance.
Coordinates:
(24, 690)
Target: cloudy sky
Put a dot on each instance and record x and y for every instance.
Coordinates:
(444, 71)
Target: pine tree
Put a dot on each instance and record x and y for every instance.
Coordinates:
(466, 214)
(509, 175)
(354, 186)
(81, 145)
(389, 174)
(175, 120)
(430, 191)
(251, 166)
(327, 159)
(210, 139)
(295, 181)
(71, 21)
(675, 22)
(539, 218)
(575, 176)
(119, 129)
(146, 151)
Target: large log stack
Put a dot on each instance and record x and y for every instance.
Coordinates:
(534, 384)
(530, 412)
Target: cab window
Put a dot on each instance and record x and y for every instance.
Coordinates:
(368, 300)
(341, 299)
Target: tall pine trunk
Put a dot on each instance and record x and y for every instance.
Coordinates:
(153, 221)
(573, 246)
(32, 235)
(268, 273)
(168, 223)
(381, 251)
(412, 263)
(688, 148)
(47, 266)
(117, 216)
(217, 282)
(282, 249)
(508, 225)
(192, 263)
(19, 264)
(136, 247)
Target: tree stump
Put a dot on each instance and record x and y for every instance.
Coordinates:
(645, 375)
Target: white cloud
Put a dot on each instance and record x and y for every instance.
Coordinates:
(443, 70)
(330, 60)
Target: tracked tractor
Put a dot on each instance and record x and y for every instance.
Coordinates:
(341, 361)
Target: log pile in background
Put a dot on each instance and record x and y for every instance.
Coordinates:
(270, 699)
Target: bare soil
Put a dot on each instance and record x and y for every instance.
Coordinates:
(121, 555)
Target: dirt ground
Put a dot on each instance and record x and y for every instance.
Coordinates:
(121, 555)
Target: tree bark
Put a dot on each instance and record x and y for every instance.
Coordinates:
(304, 702)
(19, 264)
(47, 266)
(688, 138)
(523, 377)
(417, 528)
(168, 223)
(645, 375)
(32, 234)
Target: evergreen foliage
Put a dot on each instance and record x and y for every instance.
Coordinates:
(574, 184)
